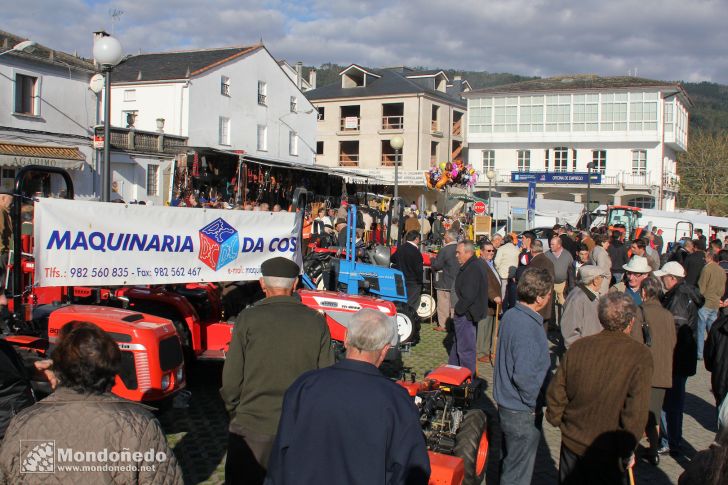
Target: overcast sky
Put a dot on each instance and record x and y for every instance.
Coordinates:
(662, 39)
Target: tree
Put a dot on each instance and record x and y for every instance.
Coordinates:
(703, 169)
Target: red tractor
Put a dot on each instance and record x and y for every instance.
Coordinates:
(456, 433)
(152, 363)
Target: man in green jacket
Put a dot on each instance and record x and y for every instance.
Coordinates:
(273, 343)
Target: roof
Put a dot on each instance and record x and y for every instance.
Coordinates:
(164, 66)
(578, 82)
(45, 54)
(384, 82)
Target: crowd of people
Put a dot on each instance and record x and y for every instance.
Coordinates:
(628, 326)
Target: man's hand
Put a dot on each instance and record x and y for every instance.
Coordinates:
(44, 369)
(498, 300)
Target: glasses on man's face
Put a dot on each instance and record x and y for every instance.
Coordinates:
(488, 250)
(629, 273)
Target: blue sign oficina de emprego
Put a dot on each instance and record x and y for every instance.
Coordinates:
(555, 177)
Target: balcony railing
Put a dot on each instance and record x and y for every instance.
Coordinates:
(435, 126)
(388, 159)
(350, 123)
(457, 128)
(144, 141)
(456, 153)
(622, 178)
(392, 122)
(349, 160)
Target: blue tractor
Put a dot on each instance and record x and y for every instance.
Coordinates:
(324, 270)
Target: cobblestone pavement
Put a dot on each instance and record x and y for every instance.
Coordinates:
(198, 434)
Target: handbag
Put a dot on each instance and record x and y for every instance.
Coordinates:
(646, 334)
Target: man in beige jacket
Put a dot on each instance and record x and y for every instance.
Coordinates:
(711, 285)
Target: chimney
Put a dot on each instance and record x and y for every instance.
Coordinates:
(299, 74)
(312, 78)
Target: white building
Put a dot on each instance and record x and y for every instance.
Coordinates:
(230, 99)
(296, 74)
(47, 113)
(630, 130)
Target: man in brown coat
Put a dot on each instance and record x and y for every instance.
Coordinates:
(599, 398)
(486, 325)
(539, 260)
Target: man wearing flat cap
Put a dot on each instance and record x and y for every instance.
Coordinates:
(273, 342)
(581, 317)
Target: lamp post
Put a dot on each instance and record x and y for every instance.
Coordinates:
(491, 175)
(26, 46)
(589, 167)
(397, 143)
(108, 53)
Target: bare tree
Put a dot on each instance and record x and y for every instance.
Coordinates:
(703, 170)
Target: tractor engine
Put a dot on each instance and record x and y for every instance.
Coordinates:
(440, 419)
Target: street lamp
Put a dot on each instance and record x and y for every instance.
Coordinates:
(108, 53)
(397, 143)
(491, 175)
(589, 167)
(27, 46)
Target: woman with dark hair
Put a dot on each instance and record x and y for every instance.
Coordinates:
(709, 467)
(83, 425)
(658, 333)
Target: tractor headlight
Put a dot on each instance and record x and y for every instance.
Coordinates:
(166, 381)
(179, 376)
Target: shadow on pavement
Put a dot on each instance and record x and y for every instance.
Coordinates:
(703, 412)
(204, 423)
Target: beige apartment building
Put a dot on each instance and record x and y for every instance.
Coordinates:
(359, 115)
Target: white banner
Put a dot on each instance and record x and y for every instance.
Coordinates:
(95, 243)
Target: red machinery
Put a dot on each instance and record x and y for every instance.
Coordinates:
(152, 363)
(625, 219)
(456, 433)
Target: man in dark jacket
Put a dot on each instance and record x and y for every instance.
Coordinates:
(446, 267)
(683, 301)
(15, 390)
(716, 358)
(471, 289)
(273, 343)
(348, 423)
(408, 259)
(694, 262)
(539, 260)
(618, 254)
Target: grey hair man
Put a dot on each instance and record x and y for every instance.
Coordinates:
(253, 381)
(580, 317)
(364, 425)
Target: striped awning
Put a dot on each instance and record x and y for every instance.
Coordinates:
(17, 155)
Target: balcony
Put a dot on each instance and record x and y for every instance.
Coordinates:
(349, 160)
(624, 179)
(144, 141)
(390, 159)
(392, 122)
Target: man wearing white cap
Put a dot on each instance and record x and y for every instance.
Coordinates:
(635, 272)
(581, 317)
(683, 301)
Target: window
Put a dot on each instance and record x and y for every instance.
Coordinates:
(488, 160)
(27, 95)
(293, 143)
(586, 112)
(561, 159)
(262, 138)
(599, 161)
(435, 118)
(321, 113)
(669, 117)
(152, 180)
(642, 202)
(480, 115)
(130, 95)
(224, 135)
(614, 112)
(262, 93)
(225, 86)
(639, 162)
(558, 112)
(573, 160)
(434, 152)
(505, 114)
(8, 173)
(524, 160)
(546, 159)
(531, 114)
(643, 111)
(294, 104)
(319, 148)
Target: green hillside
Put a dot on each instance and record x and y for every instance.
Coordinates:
(710, 112)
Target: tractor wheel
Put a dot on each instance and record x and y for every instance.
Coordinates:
(427, 306)
(185, 339)
(408, 324)
(471, 444)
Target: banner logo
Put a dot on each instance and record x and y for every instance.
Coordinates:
(219, 244)
(37, 456)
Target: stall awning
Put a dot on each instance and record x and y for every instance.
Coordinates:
(16, 155)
